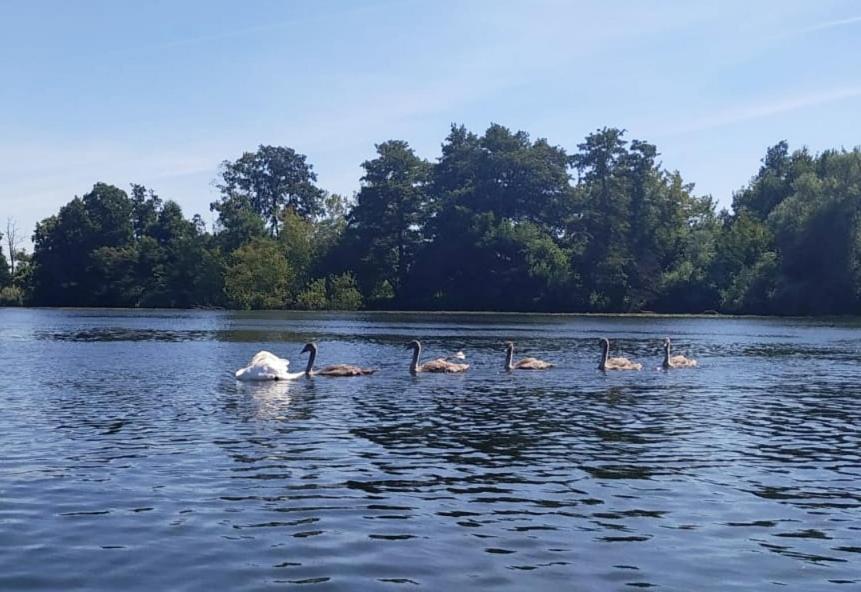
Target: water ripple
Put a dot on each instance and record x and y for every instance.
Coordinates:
(132, 459)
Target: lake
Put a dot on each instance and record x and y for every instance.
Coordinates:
(132, 460)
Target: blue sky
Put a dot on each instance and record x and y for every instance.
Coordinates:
(160, 92)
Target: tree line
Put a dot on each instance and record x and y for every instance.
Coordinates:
(498, 222)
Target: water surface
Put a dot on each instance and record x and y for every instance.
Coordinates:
(130, 459)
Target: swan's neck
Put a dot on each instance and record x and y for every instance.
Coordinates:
(605, 353)
(414, 365)
(667, 355)
(509, 355)
(312, 355)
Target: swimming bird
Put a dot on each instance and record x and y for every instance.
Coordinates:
(266, 366)
(671, 361)
(608, 363)
(438, 365)
(335, 370)
(525, 363)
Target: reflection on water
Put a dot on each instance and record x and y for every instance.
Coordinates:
(133, 460)
(269, 400)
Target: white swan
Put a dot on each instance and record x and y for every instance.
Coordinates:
(267, 366)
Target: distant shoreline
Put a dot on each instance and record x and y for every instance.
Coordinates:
(640, 315)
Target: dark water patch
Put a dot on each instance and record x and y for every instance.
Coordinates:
(120, 334)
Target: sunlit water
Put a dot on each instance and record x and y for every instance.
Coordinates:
(130, 459)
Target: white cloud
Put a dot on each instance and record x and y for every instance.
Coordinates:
(832, 24)
(761, 110)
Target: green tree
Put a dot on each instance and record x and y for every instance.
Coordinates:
(271, 179)
(258, 276)
(314, 296)
(298, 243)
(494, 240)
(106, 249)
(19, 293)
(5, 274)
(238, 222)
(196, 274)
(744, 249)
(335, 292)
(504, 173)
(496, 223)
(177, 266)
(816, 232)
(331, 225)
(601, 226)
(343, 292)
(65, 271)
(145, 208)
(386, 226)
(117, 283)
(791, 245)
(484, 263)
(774, 181)
(638, 234)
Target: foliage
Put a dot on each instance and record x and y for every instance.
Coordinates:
(238, 223)
(5, 271)
(343, 292)
(11, 296)
(387, 224)
(271, 179)
(314, 296)
(258, 276)
(636, 228)
(107, 249)
(67, 269)
(500, 221)
(335, 292)
(494, 237)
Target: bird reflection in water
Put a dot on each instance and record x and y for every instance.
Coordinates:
(270, 400)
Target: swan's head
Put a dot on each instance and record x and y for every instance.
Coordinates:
(414, 344)
(309, 347)
(509, 345)
(605, 344)
(666, 343)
